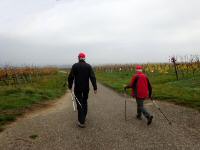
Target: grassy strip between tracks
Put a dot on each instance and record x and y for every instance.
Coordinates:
(184, 92)
(14, 101)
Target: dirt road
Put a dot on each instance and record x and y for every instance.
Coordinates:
(55, 128)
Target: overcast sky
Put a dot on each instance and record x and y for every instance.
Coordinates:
(108, 31)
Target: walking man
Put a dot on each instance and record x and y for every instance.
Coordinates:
(141, 90)
(80, 75)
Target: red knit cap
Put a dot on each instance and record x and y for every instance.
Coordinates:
(81, 56)
(139, 68)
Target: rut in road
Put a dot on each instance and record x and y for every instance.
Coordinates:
(55, 128)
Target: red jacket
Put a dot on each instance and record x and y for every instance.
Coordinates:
(141, 87)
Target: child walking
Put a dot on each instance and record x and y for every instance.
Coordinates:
(141, 90)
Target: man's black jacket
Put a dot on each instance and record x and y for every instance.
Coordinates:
(81, 72)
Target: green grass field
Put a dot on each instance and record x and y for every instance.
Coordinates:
(165, 86)
(15, 100)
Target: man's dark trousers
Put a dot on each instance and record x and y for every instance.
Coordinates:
(82, 96)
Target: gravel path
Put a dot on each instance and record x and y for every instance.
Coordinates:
(55, 128)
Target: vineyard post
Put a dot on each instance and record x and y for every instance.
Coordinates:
(174, 62)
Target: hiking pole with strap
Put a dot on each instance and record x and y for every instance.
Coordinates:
(125, 105)
(158, 107)
(74, 96)
(73, 103)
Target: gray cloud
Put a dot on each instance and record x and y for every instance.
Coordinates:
(112, 31)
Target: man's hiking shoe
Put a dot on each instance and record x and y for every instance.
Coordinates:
(149, 120)
(81, 125)
(139, 117)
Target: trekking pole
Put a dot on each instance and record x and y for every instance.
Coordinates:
(158, 107)
(125, 105)
(125, 110)
(77, 99)
(73, 103)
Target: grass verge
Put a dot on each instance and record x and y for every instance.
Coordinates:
(165, 87)
(14, 101)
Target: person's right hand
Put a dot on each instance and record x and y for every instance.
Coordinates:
(95, 91)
